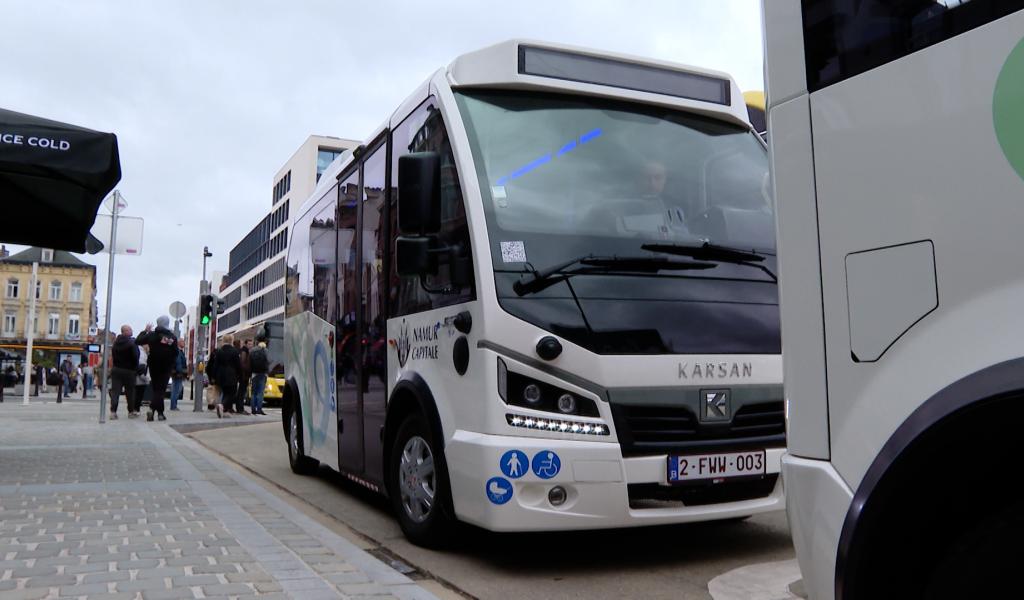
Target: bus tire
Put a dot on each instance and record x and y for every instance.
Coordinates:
(300, 463)
(417, 478)
(982, 562)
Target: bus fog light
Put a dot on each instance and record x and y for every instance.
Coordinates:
(557, 495)
(567, 403)
(531, 393)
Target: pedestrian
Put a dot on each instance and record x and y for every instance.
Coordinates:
(75, 375)
(228, 367)
(244, 375)
(64, 371)
(125, 355)
(67, 370)
(180, 372)
(260, 364)
(163, 353)
(87, 378)
(206, 370)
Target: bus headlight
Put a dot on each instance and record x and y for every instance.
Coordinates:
(516, 389)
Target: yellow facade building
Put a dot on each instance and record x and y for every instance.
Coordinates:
(65, 300)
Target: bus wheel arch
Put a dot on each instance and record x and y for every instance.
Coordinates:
(411, 395)
(411, 413)
(938, 480)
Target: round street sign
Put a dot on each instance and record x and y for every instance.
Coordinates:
(177, 309)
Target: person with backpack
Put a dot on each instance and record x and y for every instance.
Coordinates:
(125, 356)
(163, 353)
(260, 365)
(228, 368)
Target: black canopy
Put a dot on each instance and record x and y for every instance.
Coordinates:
(53, 177)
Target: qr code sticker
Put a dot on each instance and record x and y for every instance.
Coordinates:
(512, 252)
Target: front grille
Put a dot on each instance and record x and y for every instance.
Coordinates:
(652, 495)
(647, 430)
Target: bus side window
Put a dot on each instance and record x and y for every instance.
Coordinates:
(322, 239)
(421, 131)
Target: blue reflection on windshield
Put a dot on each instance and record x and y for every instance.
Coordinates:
(583, 139)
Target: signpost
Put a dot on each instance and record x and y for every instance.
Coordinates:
(115, 203)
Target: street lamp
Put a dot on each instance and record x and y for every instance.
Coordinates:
(206, 254)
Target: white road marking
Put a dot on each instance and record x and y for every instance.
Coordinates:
(762, 581)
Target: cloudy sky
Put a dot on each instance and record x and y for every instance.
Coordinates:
(209, 98)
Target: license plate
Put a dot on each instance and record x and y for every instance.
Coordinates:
(695, 467)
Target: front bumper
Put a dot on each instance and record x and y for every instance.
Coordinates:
(598, 480)
(818, 500)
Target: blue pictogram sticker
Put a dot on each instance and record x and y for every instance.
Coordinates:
(514, 464)
(499, 490)
(546, 464)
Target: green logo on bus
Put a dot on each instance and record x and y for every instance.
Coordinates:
(1008, 108)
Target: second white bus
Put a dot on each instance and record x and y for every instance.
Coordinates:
(542, 297)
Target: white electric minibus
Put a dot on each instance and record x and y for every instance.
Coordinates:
(897, 144)
(542, 296)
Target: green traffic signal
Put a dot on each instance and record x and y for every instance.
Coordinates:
(205, 309)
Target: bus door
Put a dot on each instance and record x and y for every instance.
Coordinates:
(373, 331)
(346, 345)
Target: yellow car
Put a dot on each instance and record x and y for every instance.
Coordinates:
(273, 391)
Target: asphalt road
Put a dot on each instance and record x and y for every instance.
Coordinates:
(657, 562)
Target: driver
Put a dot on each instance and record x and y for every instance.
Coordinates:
(646, 210)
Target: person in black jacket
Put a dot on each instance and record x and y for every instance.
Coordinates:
(228, 368)
(125, 355)
(163, 352)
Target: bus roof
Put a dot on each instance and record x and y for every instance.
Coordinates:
(545, 66)
(521, 64)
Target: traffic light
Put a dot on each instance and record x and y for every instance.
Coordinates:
(219, 304)
(205, 309)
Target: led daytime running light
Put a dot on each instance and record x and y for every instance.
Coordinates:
(557, 425)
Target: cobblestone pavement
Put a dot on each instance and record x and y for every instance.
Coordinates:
(134, 510)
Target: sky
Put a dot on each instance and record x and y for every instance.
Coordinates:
(209, 98)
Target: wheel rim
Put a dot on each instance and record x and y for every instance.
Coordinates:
(294, 441)
(417, 479)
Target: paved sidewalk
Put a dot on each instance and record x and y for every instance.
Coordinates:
(132, 509)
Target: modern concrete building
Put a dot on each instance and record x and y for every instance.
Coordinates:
(65, 300)
(253, 288)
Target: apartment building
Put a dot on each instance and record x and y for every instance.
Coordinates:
(65, 295)
(253, 287)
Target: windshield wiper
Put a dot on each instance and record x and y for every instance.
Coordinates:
(715, 253)
(641, 264)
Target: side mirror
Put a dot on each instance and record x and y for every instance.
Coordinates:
(413, 256)
(419, 193)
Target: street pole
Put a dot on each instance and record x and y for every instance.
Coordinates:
(199, 341)
(105, 366)
(30, 331)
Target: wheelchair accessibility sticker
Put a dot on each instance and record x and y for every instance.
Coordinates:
(499, 490)
(514, 464)
(546, 464)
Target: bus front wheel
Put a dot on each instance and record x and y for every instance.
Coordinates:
(418, 485)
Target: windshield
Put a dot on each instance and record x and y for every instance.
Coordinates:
(563, 176)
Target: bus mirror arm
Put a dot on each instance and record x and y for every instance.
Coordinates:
(420, 256)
